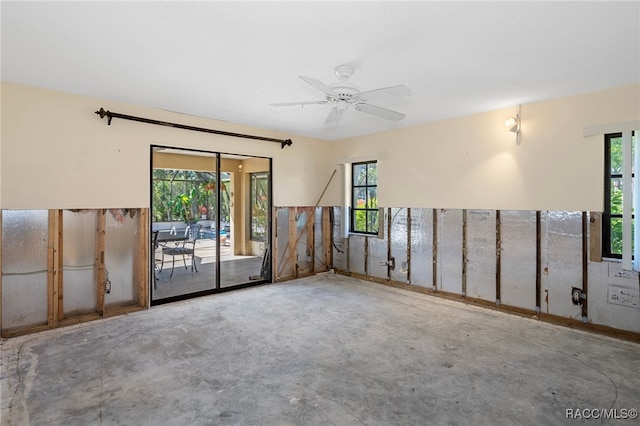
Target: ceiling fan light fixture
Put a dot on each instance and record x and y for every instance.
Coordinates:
(343, 93)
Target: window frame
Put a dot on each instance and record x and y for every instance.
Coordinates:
(253, 193)
(368, 210)
(607, 214)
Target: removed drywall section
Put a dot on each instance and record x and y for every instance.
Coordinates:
(398, 232)
(422, 247)
(562, 262)
(357, 254)
(340, 245)
(24, 268)
(518, 259)
(481, 249)
(450, 251)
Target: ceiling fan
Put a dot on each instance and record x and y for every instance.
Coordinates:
(343, 93)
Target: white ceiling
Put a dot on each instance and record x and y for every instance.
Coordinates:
(230, 60)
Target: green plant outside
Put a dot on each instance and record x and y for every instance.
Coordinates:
(187, 195)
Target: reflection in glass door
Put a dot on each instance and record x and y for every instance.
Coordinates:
(210, 225)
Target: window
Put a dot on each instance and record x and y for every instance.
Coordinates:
(615, 215)
(364, 200)
(259, 205)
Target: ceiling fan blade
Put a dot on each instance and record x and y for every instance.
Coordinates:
(299, 103)
(386, 92)
(319, 85)
(380, 112)
(333, 117)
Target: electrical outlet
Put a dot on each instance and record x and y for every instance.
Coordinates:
(577, 296)
(107, 286)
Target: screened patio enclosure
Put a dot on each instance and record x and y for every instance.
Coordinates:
(213, 211)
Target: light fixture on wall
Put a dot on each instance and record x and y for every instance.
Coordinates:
(513, 124)
(239, 168)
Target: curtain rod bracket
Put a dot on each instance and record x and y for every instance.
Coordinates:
(102, 113)
(110, 115)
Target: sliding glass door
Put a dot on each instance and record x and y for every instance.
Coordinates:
(210, 229)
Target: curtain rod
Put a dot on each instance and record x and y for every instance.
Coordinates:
(110, 115)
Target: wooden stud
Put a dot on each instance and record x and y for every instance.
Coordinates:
(326, 237)
(409, 245)
(366, 255)
(498, 258)
(100, 266)
(53, 271)
(435, 250)
(538, 260)
(464, 253)
(274, 244)
(311, 246)
(293, 252)
(60, 266)
(595, 236)
(389, 243)
(142, 261)
(585, 266)
(1, 329)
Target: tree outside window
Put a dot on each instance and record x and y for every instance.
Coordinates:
(364, 198)
(613, 214)
(259, 205)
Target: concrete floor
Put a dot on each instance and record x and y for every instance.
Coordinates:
(317, 351)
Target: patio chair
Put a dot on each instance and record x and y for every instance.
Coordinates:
(185, 248)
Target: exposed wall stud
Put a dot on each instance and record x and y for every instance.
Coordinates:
(435, 250)
(311, 246)
(408, 245)
(100, 266)
(53, 272)
(1, 328)
(326, 237)
(595, 236)
(389, 244)
(538, 260)
(366, 255)
(498, 259)
(464, 252)
(585, 267)
(142, 261)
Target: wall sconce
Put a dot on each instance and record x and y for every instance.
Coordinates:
(513, 125)
(239, 168)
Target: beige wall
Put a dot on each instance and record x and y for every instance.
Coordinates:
(56, 153)
(473, 162)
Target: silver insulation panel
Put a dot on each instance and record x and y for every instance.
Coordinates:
(120, 252)
(422, 247)
(562, 257)
(284, 268)
(340, 244)
(518, 258)
(377, 257)
(304, 255)
(399, 241)
(356, 254)
(450, 251)
(319, 260)
(24, 268)
(481, 254)
(79, 265)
